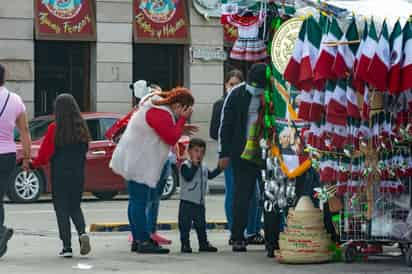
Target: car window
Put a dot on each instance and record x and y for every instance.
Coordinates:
(37, 129)
(106, 124)
(94, 129)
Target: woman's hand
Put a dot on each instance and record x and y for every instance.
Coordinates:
(189, 130)
(26, 164)
(187, 112)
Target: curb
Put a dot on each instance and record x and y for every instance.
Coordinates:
(161, 226)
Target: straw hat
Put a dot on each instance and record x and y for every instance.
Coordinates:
(305, 204)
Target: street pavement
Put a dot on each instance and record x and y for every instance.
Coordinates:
(35, 244)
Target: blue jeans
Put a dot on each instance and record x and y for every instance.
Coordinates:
(152, 210)
(255, 211)
(139, 197)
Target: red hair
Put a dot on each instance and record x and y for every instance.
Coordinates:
(179, 95)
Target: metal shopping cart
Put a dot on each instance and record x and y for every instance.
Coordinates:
(367, 222)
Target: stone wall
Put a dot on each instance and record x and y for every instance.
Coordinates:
(114, 55)
(17, 49)
(206, 78)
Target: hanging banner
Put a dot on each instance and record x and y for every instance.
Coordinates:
(65, 20)
(162, 21)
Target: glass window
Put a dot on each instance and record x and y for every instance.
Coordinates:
(37, 129)
(94, 129)
(106, 124)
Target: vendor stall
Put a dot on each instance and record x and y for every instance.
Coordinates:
(338, 98)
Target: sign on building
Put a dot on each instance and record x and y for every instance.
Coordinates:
(65, 20)
(163, 21)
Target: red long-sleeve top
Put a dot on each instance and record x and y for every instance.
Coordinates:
(162, 123)
(46, 150)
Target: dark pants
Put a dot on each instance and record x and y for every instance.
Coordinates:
(272, 222)
(67, 192)
(7, 165)
(192, 213)
(245, 175)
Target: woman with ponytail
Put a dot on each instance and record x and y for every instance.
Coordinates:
(142, 151)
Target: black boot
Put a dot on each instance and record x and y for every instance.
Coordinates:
(134, 246)
(270, 249)
(148, 247)
(185, 248)
(207, 247)
(4, 238)
(239, 246)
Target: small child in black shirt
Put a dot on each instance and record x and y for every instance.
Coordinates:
(193, 187)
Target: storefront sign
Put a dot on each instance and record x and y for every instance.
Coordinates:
(65, 20)
(160, 21)
(208, 54)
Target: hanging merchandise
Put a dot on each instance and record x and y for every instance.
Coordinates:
(248, 46)
(356, 94)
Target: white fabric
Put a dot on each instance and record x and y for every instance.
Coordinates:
(140, 154)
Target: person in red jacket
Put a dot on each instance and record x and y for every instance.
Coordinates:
(65, 146)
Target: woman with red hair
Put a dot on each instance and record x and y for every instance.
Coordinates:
(143, 150)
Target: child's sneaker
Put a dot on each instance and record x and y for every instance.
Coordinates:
(207, 247)
(161, 240)
(85, 247)
(67, 252)
(186, 248)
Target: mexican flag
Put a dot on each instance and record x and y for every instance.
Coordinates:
(310, 53)
(327, 54)
(306, 99)
(395, 40)
(407, 57)
(368, 51)
(345, 57)
(379, 65)
(358, 84)
(291, 73)
(352, 109)
(318, 106)
(366, 108)
(336, 109)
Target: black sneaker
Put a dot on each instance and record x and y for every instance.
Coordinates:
(149, 247)
(67, 252)
(239, 246)
(85, 247)
(134, 246)
(207, 247)
(256, 239)
(186, 248)
(8, 233)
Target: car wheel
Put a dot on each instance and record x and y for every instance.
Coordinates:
(171, 184)
(25, 186)
(105, 195)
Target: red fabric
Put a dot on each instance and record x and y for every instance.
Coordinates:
(162, 123)
(46, 150)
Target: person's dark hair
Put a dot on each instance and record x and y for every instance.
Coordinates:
(70, 125)
(179, 95)
(197, 142)
(2, 75)
(234, 73)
